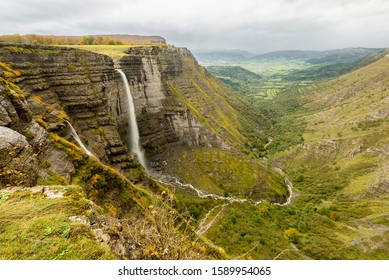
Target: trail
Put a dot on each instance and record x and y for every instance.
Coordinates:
(270, 140)
(202, 227)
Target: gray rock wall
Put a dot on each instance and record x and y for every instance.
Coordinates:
(63, 84)
(164, 120)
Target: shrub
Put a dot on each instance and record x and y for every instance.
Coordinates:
(292, 235)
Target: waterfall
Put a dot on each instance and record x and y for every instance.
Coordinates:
(78, 140)
(133, 135)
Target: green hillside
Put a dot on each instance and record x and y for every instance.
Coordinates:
(331, 139)
(236, 77)
(340, 171)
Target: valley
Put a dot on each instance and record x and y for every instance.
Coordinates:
(281, 70)
(337, 164)
(283, 159)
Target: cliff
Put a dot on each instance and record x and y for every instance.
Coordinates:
(56, 200)
(179, 105)
(180, 110)
(66, 84)
(178, 101)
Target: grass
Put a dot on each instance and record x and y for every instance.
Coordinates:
(113, 51)
(102, 183)
(33, 226)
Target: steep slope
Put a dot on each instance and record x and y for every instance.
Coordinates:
(350, 118)
(341, 170)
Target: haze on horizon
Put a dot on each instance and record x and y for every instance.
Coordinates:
(202, 25)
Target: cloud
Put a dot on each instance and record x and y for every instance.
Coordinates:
(256, 25)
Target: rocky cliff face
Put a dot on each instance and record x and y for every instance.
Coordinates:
(177, 102)
(22, 140)
(172, 109)
(65, 84)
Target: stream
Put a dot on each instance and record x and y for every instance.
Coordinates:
(175, 183)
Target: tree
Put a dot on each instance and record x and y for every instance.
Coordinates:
(292, 234)
(88, 40)
(99, 40)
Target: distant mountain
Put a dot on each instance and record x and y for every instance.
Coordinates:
(225, 57)
(319, 57)
(350, 54)
(239, 57)
(288, 54)
(335, 63)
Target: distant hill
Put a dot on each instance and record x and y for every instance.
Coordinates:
(287, 54)
(335, 63)
(223, 57)
(238, 78)
(319, 57)
(233, 72)
(239, 57)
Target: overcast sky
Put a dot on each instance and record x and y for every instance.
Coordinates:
(253, 25)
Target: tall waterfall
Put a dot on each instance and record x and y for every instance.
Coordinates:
(133, 135)
(78, 140)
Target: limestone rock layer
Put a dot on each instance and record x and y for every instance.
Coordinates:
(176, 101)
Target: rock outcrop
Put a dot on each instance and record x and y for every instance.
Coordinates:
(22, 140)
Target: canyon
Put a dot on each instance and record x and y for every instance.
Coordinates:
(55, 97)
(302, 175)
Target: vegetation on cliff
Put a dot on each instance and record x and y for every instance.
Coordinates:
(164, 224)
